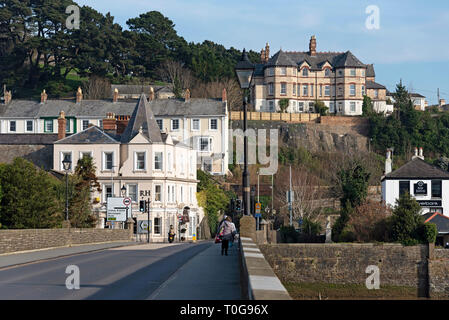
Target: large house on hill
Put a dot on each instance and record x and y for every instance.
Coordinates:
(339, 79)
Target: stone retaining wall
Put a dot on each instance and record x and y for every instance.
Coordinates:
(32, 239)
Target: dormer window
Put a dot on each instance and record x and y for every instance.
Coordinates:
(305, 72)
(327, 72)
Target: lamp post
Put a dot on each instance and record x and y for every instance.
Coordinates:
(244, 71)
(67, 164)
(123, 190)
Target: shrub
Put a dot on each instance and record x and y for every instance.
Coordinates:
(289, 234)
(429, 232)
(406, 220)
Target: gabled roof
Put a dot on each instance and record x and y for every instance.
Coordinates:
(283, 59)
(370, 70)
(374, 85)
(143, 120)
(347, 59)
(441, 221)
(192, 107)
(92, 135)
(418, 169)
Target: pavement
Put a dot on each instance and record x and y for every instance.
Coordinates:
(207, 276)
(178, 271)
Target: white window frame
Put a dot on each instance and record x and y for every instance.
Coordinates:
(204, 160)
(161, 161)
(136, 160)
(128, 187)
(305, 90)
(352, 90)
(15, 126)
(283, 88)
(192, 121)
(327, 72)
(300, 106)
(26, 125)
(294, 89)
(160, 193)
(305, 72)
(352, 72)
(352, 106)
(169, 161)
(283, 71)
(84, 152)
(104, 160)
(271, 89)
(363, 90)
(105, 186)
(271, 105)
(172, 122)
(209, 143)
(327, 91)
(210, 124)
(82, 124)
(49, 121)
(181, 194)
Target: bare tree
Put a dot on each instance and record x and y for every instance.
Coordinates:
(214, 90)
(97, 88)
(309, 193)
(177, 75)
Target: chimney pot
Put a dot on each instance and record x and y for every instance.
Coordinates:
(79, 95)
(44, 96)
(224, 96)
(421, 155)
(110, 122)
(115, 97)
(7, 96)
(187, 96)
(151, 96)
(388, 162)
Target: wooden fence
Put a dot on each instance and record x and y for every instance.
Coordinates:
(275, 116)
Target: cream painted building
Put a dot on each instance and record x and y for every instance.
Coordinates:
(338, 79)
(150, 164)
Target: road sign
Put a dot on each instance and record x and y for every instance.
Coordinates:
(127, 202)
(115, 209)
(143, 226)
(258, 215)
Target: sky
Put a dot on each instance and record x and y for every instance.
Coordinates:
(411, 42)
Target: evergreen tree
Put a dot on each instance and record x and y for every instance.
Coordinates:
(406, 220)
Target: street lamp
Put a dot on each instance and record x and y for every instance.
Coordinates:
(123, 190)
(244, 71)
(67, 164)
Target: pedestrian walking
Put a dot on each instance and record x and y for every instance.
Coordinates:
(228, 229)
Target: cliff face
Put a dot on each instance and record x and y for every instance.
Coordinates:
(316, 137)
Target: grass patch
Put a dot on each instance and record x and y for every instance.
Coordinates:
(327, 291)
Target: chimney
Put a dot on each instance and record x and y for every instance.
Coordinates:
(44, 97)
(7, 96)
(415, 154)
(267, 52)
(224, 96)
(151, 96)
(262, 56)
(312, 46)
(388, 162)
(421, 155)
(442, 102)
(187, 96)
(122, 123)
(110, 123)
(62, 125)
(115, 97)
(79, 95)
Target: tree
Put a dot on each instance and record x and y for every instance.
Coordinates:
(406, 220)
(29, 197)
(367, 107)
(320, 107)
(283, 105)
(175, 73)
(368, 222)
(84, 181)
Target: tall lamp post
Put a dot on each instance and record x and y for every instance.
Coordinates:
(244, 71)
(123, 189)
(67, 164)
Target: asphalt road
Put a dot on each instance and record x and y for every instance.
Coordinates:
(115, 274)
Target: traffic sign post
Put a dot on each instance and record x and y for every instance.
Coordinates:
(258, 215)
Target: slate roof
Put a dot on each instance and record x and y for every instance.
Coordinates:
(92, 135)
(19, 138)
(370, 70)
(416, 95)
(193, 107)
(142, 118)
(441, 221)
(374, 85)
(418, 169)
(31, 109)
(137, 89)
(336, 59)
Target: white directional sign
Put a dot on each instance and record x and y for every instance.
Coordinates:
(116, 209)
(143, 226)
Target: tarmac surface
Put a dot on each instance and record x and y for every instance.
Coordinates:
(123, 271)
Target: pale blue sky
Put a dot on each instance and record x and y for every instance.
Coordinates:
(412, 42)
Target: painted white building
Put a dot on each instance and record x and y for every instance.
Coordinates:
(151, 166)
(428, 184)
